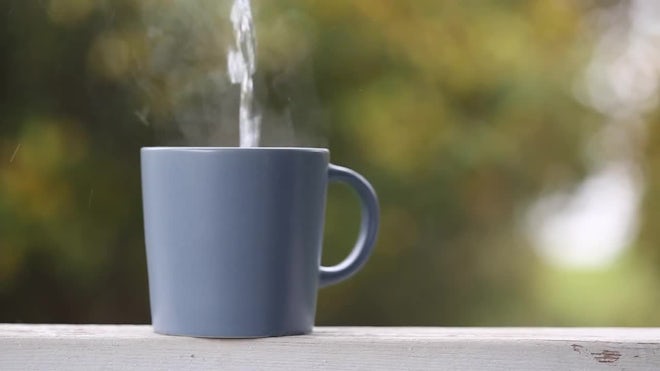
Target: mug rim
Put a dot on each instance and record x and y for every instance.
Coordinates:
(233, 149)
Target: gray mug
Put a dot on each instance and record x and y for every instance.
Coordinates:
(233, 238)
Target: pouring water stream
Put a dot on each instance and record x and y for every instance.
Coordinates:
(241, 66)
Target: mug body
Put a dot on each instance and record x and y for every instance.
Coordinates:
(233, 238)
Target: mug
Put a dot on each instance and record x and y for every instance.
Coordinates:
(233, 238)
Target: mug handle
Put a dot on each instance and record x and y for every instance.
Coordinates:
(368, 226)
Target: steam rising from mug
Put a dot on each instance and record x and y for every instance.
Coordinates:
(199, 80)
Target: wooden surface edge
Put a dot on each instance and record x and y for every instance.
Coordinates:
(415, 348)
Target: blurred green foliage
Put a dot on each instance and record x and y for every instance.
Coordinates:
(460, 113)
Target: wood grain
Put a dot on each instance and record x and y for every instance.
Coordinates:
(127, 347)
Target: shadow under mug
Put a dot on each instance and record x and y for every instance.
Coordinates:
(233, 238)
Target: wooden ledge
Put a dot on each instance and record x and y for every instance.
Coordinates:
(128, 347)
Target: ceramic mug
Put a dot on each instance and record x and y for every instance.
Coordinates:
(233, 238)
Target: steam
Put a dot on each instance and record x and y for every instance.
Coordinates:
(197, 71)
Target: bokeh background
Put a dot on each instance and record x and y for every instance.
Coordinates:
(514, 146)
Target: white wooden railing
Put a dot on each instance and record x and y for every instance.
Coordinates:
(127, 347)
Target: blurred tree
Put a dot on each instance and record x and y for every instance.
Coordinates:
(460, 113)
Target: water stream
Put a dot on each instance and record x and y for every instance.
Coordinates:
(241, 66)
